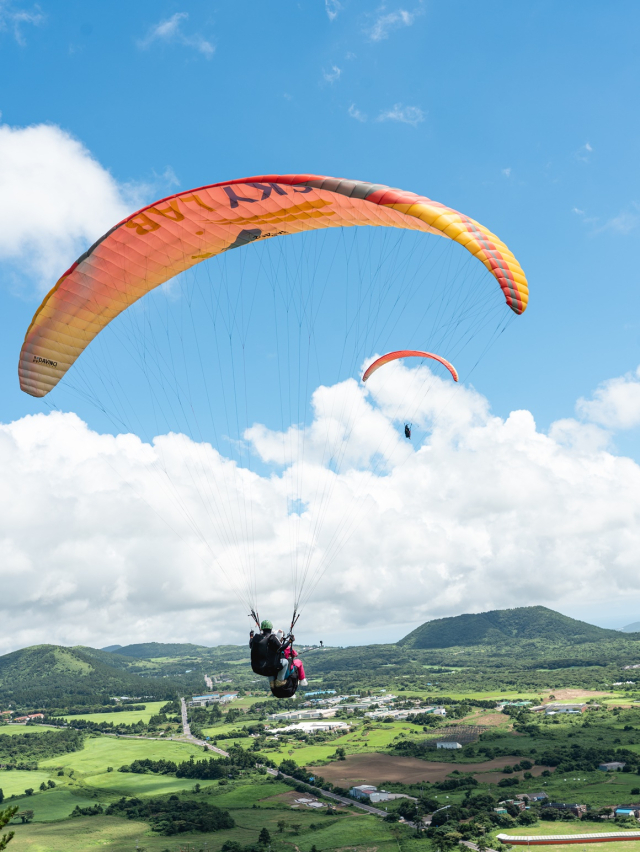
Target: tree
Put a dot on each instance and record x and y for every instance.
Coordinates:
(264, 839)
(5, 816)
(29, 791)
(42, 787)
(1, 796)
(51, 784)
(281, 825)
(482, 844)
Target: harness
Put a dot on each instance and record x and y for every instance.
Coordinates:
(296, 615)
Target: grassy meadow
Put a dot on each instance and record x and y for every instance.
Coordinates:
(126, 717)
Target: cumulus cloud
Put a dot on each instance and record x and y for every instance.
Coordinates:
(332, 8)
(354, 112)
(404, 114)
(486, 512)
(14, 18)
(507, 172)
(386, 22)
(333, 75)
(57, 200)
(170, 31)
(615, 404)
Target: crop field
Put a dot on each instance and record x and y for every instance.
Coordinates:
(377, 768)
(126, 717)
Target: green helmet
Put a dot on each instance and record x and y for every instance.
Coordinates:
(266, 625)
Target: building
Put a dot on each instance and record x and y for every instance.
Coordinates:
(448, 745)
(30, 716)
(314, 727)
(368, 793)
(564, 708)
(212, 698)
(612, 766)
(386, 714)
(576, 810)
(517, 803)
(627, 810)
(314, 713)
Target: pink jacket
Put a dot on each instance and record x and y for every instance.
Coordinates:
(296, 662)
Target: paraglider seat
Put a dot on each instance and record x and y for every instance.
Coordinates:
(290, 686)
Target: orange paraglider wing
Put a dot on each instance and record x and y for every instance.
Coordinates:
(408, 353)
(172, 235)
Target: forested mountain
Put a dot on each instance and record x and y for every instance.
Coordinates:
(502, 625)
(155, 650)
(55, 676)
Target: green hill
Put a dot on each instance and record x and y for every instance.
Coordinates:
(159, 650)
(54, 675)
(501, 625)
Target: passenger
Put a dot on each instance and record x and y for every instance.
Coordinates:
(297, 662)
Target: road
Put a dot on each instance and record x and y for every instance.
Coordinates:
(186, 730)
(327, 793)
(208, 681)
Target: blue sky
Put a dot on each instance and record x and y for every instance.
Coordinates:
(523, 116)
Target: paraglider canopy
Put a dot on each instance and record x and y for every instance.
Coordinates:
(176, 233)
(408, 353)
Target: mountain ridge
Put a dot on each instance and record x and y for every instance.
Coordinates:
(500, 625)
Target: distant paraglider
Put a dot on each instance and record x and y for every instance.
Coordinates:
(407, 431)
(408, 353)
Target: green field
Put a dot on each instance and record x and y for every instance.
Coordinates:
(254, 806)
(126, 717)
(55, 804)
(131, 784)
(23, 729)
(15, 781)
(572, 828)
(103, 751)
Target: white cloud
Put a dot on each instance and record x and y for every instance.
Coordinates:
(332, 7)
(405, 114)
(615, 404)
(354, 112)
(625, 222)
(388, 21)
(57, 200)
(333, 75)
(583, 153)
(13, 18)
(507, 172)
(170, 31)
(486, 513)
